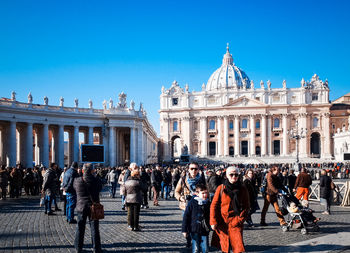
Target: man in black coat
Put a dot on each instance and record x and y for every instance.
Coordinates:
(146, 181)
(49, 188)
(88, 189)
(292, 178)
(214, 181)
(71, 195)
(325, 191)
(156, 180)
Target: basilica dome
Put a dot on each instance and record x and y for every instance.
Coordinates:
(228, 76)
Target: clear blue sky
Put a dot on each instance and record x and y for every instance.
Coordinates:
(97, 49)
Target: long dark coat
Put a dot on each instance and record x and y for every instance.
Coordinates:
(325, 187)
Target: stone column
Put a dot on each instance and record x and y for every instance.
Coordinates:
(29, 146)
(252, 135)
(204, 132)
(219, 120)
(111, 146)
(285, 134)
(236, 128)
(37, 147)
(132, 145)
(226, 150)
(263, 135)
(302, 129)
(12, 145)
(269, 132)
(140, 146)
(45, 140)
(186, 131)
(76, 144)
(105, 142)
(91, 135)
(164, 134)
(60, 146)
(327, 139)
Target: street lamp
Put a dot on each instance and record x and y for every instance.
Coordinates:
(297, 134)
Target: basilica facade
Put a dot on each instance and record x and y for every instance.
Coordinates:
(234, 117)
(38, 134)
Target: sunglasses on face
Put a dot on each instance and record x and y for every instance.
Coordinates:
(193, 168)
(233, 175)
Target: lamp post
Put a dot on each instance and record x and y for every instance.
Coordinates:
(297, 134)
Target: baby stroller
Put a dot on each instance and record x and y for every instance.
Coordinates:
(295, 217)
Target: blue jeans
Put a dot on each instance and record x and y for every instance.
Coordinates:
(167, 189)
(199, 243)
(123, 200)
(48, 202)
(113, 189)
(95, 232)
(71, 204)
(162, 186)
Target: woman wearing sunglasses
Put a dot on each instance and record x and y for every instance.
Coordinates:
(228, 211)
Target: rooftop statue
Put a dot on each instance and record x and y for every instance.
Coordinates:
(110, 103)
(46, 100)
(269, 84)
(30, 98)
(262, 84)
(76, 102)
(61, 101)
(122, 100)
(284, 83)
(90, 103)
(13, 96)
(252, 84)
(141, 107)
(104, 104)
(132, 105)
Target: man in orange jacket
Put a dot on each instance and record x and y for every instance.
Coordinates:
(302, 185)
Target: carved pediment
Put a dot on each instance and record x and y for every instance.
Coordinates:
(245, 102)
(175, 89)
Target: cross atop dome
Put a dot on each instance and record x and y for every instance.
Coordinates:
(227, 60)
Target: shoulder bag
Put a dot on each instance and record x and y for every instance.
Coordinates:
(96, 209)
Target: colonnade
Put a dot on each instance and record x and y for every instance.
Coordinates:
(30, 143)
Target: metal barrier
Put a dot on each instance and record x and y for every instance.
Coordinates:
(338, 193)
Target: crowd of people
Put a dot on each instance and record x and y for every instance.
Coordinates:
(213, 197)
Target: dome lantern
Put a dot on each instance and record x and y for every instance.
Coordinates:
(228, 76)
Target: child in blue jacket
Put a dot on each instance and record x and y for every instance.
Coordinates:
(196, 219)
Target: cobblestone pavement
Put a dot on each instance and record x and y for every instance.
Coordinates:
(25, 228)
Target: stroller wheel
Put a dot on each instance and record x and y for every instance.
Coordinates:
(285, 228)
(303, 231)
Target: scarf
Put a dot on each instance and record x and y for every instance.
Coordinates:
(232, 190)
(192, 182)
(201, 201)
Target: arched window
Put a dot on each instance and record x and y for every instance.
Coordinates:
(315, 122)
(212, 124)
(244, 123)
(257, 124)
(175, 126)
(276, 123)
(231, 125)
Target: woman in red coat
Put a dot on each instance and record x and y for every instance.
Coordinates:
(228, 211)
